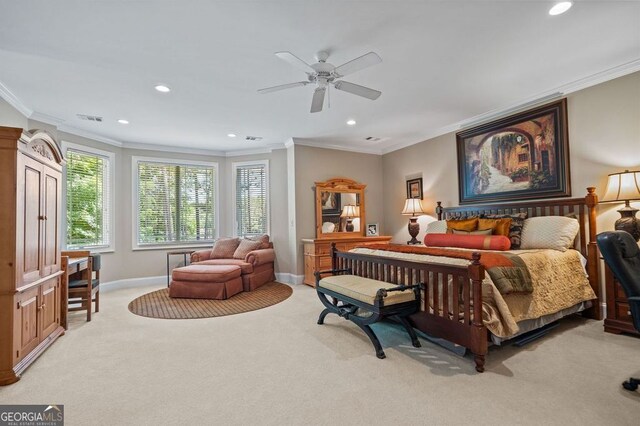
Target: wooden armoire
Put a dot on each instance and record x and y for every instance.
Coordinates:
(30, 193)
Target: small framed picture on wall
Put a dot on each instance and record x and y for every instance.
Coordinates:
(414, 188)
(372, 230)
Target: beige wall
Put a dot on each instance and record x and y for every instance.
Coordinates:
(604, 137)
(11, 117)
(317, 164)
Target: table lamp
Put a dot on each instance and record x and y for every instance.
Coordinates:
(349, 211)
(413, 208)
(624, 186)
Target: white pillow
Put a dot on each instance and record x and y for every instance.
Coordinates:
(549, 232)
(437, 227)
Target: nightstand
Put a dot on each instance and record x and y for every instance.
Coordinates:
(618, 316)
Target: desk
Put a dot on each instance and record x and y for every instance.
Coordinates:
(182, 253)
(76, 265)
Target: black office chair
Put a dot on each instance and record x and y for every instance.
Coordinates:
(622, 255)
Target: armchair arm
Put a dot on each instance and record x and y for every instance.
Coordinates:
(200, 255)
(260, 256)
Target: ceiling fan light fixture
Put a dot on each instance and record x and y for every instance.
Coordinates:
(560, 8)
(231, 135)
(162, 88)
(123, 121)
(351, 122)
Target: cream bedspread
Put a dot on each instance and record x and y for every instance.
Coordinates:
(559, 282)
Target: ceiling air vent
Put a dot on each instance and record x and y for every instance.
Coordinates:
(89, 118)
(253, 138)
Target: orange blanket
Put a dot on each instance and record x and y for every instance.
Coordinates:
(508, 271)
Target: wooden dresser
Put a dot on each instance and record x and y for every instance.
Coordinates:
(317, 257)
(618, 316)
(30, 188)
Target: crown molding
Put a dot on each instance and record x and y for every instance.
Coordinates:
(324, 145)
(46, 118)
(169, 148)
(88, 135)
(14, 101)
(565, 89)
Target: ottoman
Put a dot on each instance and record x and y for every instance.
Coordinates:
(206, 281)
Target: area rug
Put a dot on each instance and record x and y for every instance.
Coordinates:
(158, 304)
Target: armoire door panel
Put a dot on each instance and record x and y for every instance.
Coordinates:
(32, 222)
(49, 306)
(27, 317)
(51, 254)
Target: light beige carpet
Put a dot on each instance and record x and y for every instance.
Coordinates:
(276, 366)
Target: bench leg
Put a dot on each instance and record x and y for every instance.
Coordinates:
(410, 330)
(374, 339)
(323, 314)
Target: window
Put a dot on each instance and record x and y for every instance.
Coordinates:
(251, 183)
(523, 157)
(175, 202)
(88, 195)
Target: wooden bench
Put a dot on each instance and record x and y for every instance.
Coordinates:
(365, 301)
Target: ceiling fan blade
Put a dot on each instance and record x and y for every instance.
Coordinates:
(295, 61)
(283, 86)
(356, 89)
(318, 99)
(357, 64)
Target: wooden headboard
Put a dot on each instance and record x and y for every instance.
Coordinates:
(583, 208)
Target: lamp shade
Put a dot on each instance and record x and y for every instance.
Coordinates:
(349, 211)
(624, 186)
(413, 207)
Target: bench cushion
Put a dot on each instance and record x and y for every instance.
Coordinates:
(206, 273)
(364, 289)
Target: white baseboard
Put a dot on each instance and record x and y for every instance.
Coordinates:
(287, 278)
(133, 282)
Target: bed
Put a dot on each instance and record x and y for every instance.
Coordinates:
(456, 311)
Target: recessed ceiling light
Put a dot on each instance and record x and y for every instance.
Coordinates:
(560, 8)
(351, 122)
(123, 121)
(162, 88)
(232, 135)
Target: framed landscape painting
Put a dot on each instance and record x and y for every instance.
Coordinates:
(523, 156)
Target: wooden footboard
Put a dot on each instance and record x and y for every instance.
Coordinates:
(452, 298)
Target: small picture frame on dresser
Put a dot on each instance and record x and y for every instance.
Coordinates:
(372, 230)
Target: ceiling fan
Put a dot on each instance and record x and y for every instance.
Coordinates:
(324, 75)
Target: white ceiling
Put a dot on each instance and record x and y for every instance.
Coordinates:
(443, 62)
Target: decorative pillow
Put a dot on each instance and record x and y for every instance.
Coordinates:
(245, 247)
(483, 242)
(437, 227)
(497, 226)
(224, 248)
(462, 224)
(515, 229)
(549, 232)
(478, 232)
(264, 239)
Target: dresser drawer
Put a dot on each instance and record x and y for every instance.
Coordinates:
(622, 312)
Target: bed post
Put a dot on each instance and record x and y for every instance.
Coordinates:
(593, 260)
(334, 260)
(479, 345)
(439, 209)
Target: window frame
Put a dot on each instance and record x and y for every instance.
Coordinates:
(135, 224)
(111, 166)
(234, 168)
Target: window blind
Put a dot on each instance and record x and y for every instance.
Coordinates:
(175, 203)
(88, 199)
(251, 199)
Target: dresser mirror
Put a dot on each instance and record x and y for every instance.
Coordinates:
(340, 209)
